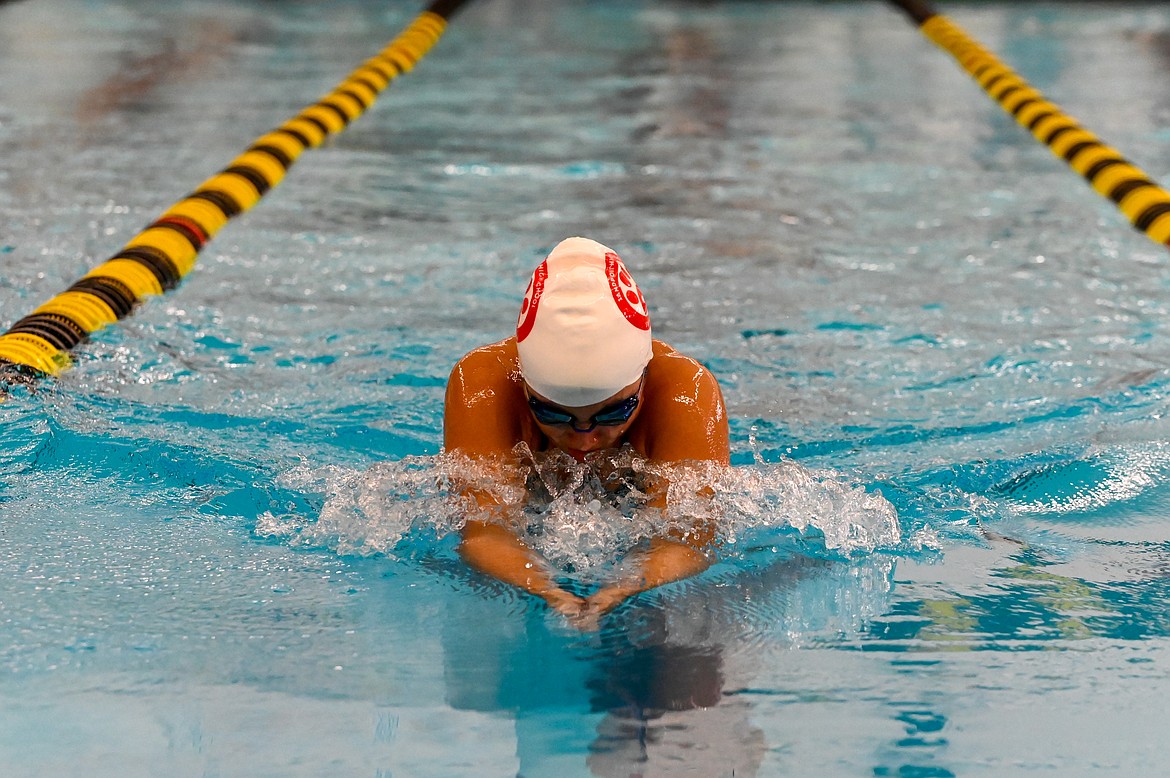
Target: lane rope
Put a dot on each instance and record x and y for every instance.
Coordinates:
(160, 256)
(1144, 202)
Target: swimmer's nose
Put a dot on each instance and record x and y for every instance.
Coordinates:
(585, 441)
(590, 443)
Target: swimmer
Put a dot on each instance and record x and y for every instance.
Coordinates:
(583, 375)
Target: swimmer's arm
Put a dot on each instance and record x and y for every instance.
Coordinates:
(494, 550)
(481, 416)
(690, 427)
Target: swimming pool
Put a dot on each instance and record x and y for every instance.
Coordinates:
(222, 546)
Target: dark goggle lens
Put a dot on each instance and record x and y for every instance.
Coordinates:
(546, 414)
(619, 413)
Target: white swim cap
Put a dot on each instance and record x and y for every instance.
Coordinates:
(583, 332)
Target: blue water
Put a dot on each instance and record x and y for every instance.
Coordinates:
(225, 547)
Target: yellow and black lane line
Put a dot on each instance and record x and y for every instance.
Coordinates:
(1144, 202)
(160, 256)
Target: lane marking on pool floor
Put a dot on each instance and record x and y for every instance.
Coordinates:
(1144, 203)
(160, 256)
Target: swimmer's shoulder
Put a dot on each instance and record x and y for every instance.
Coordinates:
(484, 411)
(486, 377)
(496, 364)
(670, 367)
(684, 417)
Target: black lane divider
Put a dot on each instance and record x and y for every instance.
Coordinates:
(1144, 203)
(160, 256)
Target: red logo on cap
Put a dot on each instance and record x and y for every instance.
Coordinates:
(527, 318)
(629, 298)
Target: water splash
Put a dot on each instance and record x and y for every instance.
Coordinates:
(583, 517)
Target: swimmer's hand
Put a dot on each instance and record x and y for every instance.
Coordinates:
(665, 561)
(609, 597)
(565, 603)
(580, 613)
(585, 614)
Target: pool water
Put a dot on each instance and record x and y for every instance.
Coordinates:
(225, 543)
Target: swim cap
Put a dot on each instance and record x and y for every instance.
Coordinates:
(583, 332)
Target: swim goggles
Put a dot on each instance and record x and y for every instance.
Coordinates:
(609, 416)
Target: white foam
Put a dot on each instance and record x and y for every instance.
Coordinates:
(583, 517)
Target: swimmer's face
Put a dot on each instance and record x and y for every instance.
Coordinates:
(570, 437)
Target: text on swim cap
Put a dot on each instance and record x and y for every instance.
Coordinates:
(629, 298)
(532, 296)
